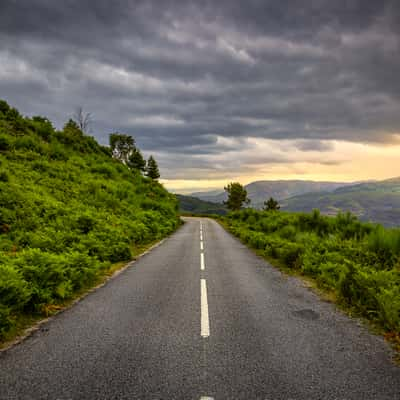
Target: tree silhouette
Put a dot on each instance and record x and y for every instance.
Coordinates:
(152, 168)
(136, 162)
(122, 146)
(83, 119)
(237, 196)
(271, 205)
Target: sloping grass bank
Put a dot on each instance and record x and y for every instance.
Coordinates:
(68, 212)
(359, 262)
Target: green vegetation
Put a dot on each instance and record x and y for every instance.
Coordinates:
(358, 262)
(192, 205)
(136, 161)
(237, 196)
(68, 211)
(122, 146)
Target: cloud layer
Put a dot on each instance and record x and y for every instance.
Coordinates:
(202, 84)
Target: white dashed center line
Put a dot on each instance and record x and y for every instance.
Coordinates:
(205, 323)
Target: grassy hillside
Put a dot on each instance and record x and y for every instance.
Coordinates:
(358, 262)
(373, 201)
(68, 211)
(260, 191)
(192, 205)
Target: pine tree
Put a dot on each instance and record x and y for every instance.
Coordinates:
(136, 162)
(152, 168)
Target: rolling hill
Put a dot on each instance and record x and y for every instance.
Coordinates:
(260, 191)
(192, 205)
(371, 201)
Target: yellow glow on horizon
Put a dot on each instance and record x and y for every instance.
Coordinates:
(347, 162)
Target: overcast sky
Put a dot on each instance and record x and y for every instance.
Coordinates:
(217, 90)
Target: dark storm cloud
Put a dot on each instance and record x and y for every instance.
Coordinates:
(201, 77)
(314, 145)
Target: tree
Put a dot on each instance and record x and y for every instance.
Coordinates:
(136, 162)
(152, 168)
(71, 130)
(71, 134)
(122, 146)
(237, 196)
(83, 119)
(43, 127)
(271, 205)
(4, 107)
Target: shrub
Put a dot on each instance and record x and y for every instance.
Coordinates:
(384, 241)
(257, 240)
(5, 143)
(85, 223)
(389, 307)
(82, 270)
(57, 152)
(28, 143)
(6, 321)
(4, 177)
(288, 232)
(119, 252)
(14, 290)
(103, 169)
(290, 254)
(43, 127)
(40, 166)
(328, 274)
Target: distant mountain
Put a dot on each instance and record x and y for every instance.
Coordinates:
(188, 204)
(207, 194)
(260, 191)
(370, 201)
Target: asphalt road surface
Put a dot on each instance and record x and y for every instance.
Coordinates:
(201, 317)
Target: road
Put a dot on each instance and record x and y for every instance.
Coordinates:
(197, 319)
